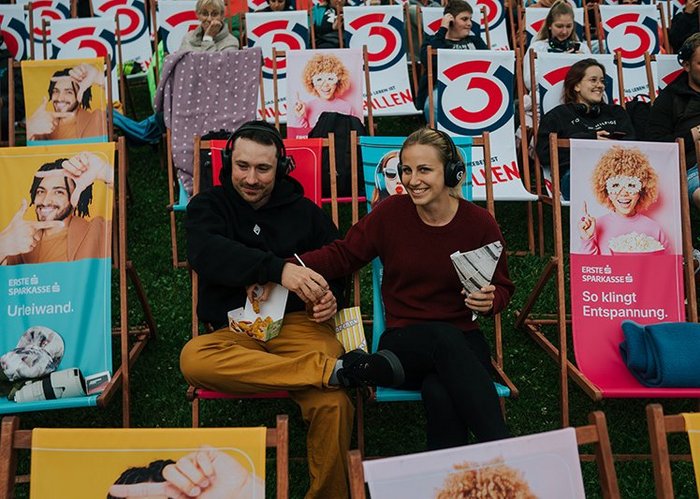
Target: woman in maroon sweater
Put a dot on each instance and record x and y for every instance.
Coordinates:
(429, 317)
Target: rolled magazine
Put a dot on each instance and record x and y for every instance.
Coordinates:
(475, 268)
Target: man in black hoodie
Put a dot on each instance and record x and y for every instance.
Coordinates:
(676, 112)
(241, 235)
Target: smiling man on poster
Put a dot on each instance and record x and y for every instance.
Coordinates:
(61, 193)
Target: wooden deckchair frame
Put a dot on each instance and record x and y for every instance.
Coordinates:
(525, 161)
(13, 440)
(596, 432)
(660, 426)
(532, 324)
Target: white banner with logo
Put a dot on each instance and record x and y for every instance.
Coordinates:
(51, 10)
(382, 29)
(475, 95)
(133, 27)
(431, 18)
(667, 69)
(631, 30)
(551, 70)
(285, 30)
(14, 30)
(175, 18)
(496, 17)
(84, 38)
(535, 18)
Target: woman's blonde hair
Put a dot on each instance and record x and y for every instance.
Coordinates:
(560, 8)
(429, 137)
(217, 4)
(630, 162)
(326, 63)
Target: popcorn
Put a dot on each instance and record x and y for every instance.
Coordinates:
(634, 242)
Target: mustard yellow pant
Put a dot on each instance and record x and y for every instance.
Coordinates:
(301, 360)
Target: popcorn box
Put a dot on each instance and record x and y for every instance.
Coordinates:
(349, 329)
(265, 324)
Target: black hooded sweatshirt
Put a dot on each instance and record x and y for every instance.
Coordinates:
(231, 245)
(675, 112)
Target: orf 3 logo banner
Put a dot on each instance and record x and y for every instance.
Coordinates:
(133, 28)
(287, 30)
(474, 91)
(381, 29)
(175, 19)
(86, 38)
(631, 31)
(14, 31)
(51, 10)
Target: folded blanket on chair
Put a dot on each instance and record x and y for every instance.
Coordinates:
(664, 354)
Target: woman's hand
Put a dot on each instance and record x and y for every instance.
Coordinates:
(214, 28)
(586, 226)
(481, 301)
(299, 107)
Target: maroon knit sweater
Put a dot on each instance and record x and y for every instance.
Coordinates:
(419, 283)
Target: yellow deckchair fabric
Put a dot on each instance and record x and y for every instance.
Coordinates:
(692, 425)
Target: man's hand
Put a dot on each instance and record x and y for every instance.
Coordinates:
(207, 473)
(259, 291)
(602, 135)
(447, 19)
(84, 168)
(86, 75)
(21, 236)
(308, 285)
(324, 309)
(44, 122)
(480, 301)
(691, 6)
(214, 27)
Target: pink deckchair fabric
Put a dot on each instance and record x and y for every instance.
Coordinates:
(199, 92)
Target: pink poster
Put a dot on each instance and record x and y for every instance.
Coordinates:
(321, 81)
(626, 253)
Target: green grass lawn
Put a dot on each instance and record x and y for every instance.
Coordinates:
(158, 389)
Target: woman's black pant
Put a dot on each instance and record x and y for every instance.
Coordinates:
(452, 369)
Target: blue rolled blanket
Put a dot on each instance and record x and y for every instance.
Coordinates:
(663, 355)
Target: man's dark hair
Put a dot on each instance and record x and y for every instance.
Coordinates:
(456, 7)
(153, 473)
(574, 77)
(83, 207)
(87, 95)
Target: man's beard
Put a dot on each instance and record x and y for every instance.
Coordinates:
(61, 104)
(61, 215)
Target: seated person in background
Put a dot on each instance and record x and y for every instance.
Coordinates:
(328, 19)
(684, 24)
(238, 237)
(430, 319)
(557, 34)
(454, 33)
(584, 115)
(624, 182)
(278, 6)
(676, 112)
(212, 34)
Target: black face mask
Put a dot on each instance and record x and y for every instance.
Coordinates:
(563, 46)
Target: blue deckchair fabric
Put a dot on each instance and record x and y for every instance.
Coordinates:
(146, 131)
(664, 354)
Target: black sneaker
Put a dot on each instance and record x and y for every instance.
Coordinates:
(382, 368)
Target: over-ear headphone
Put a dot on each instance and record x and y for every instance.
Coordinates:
(685, 53)
(454, 166)
(285, 164)
(592, 111)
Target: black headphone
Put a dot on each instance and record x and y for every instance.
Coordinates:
(685, 53)
(285, 164)
(454, 166)
(592, 111)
